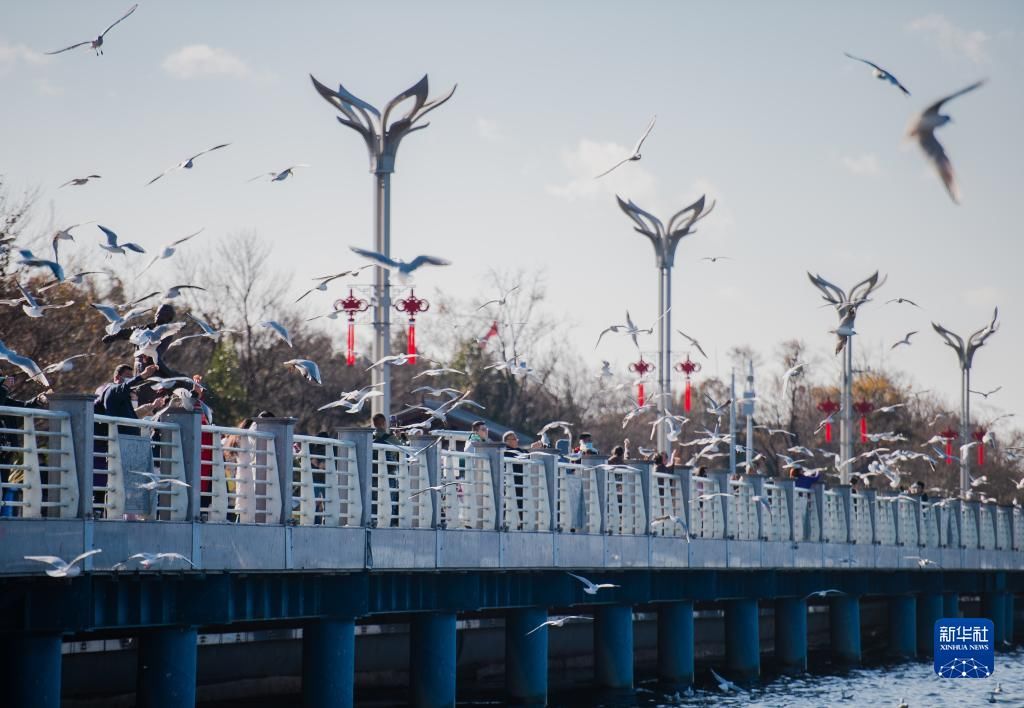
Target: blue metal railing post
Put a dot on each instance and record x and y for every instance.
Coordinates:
(743, 640)
(328, 663)
(929, 610)
(30, 666)
(844, 629)
(684, 483)
(526, 656)
(791, 634)
(167, 668)
(79, 407)
(646, 476)
(613, 647)
(432, 659)
(903, 627)
(675, 644)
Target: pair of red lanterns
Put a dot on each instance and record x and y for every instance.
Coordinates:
(353, 305)
(949, 435)
(642, 368)
(830, 408)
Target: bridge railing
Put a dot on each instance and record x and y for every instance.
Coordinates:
(624, 509)
(806, 520)
(742, 517)
(399, 482)
(834, 517)
(467, 502)
(325, 482)
(125, 452)
(1017, 518)
(667, 498)
(577, 504)
(863, 529)
(776, 521)
(38, 477)
(707, 514)
(525, 501)
(238, 476)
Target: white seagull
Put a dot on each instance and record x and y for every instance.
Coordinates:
(724, 684)
(112, 246)
(61, 568)
(147, 560)
(156, 481)
(923, 129)
(186, 164)
(168, 250)
(922, 562)
(905, 340)
(114, 318)
(208, 331)
(591, 588)
(279, 329)
(558, 622)
(65, 365)
(309, 370)
(881, 73)
(279, 176)
(32, 308)
(438, 372)
(355, 403)
(629, 328)
(29, 259)
(402, 270)
(30, 368)
(79, 181)
(635, 152)
(692, 341)
(97, 44)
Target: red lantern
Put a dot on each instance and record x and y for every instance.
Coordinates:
(829, 408)
(979, 435)
(642, 368)
(687, 367)
(863, 407)
(412, 306)
(351, 305)
(949, 435)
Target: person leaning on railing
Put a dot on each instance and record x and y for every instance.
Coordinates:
(9, 458)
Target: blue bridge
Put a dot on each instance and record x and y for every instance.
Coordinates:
(321, 533)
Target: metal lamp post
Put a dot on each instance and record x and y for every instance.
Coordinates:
(965, 353)
(382, 136)
(846, 307)
(665, 241)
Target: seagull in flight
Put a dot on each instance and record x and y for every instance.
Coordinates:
(33, 309)
(112, 246)
(905, 340)
(501, 301)
(402, 269)
(724, 684)
(558, 622)
(279, 329)
(208, 331)
(116, 321)
(390, 360)
(186, 164)
(79, 181)
(825, 593)
(62, 568)
(795, 370)
(149, 559)
(156, 481)
(692, 341)
(169, 250)
(438, 372)
(97, 44)
(881, 73)
(29, 259)
(309, 370)
(30, 368)
(715, 259)
(923, 129)
(279, 176)
(64, 365)
(591, 588)
(353, 401)
(629, 328)
(635, 152)
(986, 394)
(672, 519)
(901, 300)
(922, 562)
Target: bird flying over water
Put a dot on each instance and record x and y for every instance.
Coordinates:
(635, 152)
(590, 587)
(923, 129)
(881, 73)
(97, 44)
(186, 164)
(62, 568)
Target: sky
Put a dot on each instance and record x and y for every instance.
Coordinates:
(757, 107)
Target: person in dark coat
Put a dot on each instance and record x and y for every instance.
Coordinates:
(12, 422)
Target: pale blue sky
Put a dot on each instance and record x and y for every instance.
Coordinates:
(756, 105)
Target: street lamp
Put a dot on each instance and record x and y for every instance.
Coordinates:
(382, 136)
(665, 241)
(846, 307)
(965, 354)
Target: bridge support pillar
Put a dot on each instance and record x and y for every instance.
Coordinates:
(743, 640)
(993, 607)
(613, 647)
(328, 663)
(951, 604)
(166, 675)
(929, 610)
(675, 643)
(844, 629)
(432, 660)
(903, 626)
(30, 669)
(791, 635)
(526, 657)
(1009, 608)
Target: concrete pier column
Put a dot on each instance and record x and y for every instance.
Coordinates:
(844, 629)
(742, 640)
(993, 607)
(30, 670)
(951, 604)
(432, 660)
(903, 626)
(328, 663)
(1009, 609)
(675, 643)
(613, 647)
(526, 657)
(166, 676)
(791, 635)
(929, 610)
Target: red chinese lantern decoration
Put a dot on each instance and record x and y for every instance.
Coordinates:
(979, 435)
(352, 306)
(863, 407)
(412, 306)
(829, 408)
(687, 367)
(491, 332)
(949, 435)
(642, 368)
